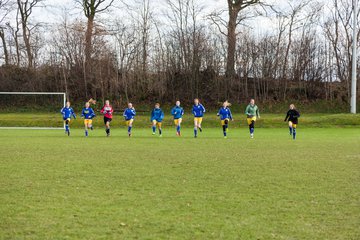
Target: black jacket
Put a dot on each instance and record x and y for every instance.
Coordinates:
(292, 115)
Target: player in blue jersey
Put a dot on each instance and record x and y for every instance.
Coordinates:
(67, 112)
(157, 115)
(177, 113)
(225, 116)
(198, 111)
(129, 115)
(88, 114)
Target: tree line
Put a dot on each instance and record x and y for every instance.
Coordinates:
(181, 51)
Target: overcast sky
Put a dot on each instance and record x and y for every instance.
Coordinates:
(53, 11)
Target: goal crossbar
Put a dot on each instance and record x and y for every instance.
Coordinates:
(36, 93)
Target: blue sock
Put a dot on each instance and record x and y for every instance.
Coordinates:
(67, 127)
(178, 128)
(86, 133)
(291, 130)
(294, 133)
(251, 130)
(154, 129)
(129, 129)
(224, 133)
(195, 131)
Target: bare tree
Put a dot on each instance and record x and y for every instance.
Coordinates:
(186, 43)
(338, 31)
(91, 8)
(14, 31)
(5, 8)
(26, 8)
(234, 7)
(3, 40)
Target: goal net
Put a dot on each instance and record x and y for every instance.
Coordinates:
(31, 110)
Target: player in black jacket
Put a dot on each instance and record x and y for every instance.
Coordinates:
(292, 116)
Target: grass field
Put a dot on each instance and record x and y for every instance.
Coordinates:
(271, 187)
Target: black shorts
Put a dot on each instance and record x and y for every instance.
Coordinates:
(106, 119)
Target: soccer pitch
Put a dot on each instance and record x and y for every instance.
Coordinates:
(271, 187)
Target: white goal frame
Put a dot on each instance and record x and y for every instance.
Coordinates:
(36, 93)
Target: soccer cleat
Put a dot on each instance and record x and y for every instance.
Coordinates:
(153, 133)
(252, 135)
(160, 135)
(195, 136)
(108, 134)
(225, 137)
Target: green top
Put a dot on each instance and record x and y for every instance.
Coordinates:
(252, 110)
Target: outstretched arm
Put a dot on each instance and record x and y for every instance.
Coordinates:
(73, 114)
(247, 110)
(162, 115)
(287, 116)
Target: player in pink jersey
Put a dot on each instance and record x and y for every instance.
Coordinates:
(107, 110)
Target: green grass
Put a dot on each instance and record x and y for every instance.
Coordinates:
(210, 120)
(271, 187)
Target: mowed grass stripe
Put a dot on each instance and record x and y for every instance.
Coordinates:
(270, 187)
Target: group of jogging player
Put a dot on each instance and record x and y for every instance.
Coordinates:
(157, 116)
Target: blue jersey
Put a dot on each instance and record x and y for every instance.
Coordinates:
(225, 113)
(88, 113)
(67, 112)
(198, 110)
(177, 112)
(129, 114)
(157, 114)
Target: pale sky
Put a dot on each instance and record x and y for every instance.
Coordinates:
(53, 11)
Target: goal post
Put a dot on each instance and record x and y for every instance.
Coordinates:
(62, 104)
